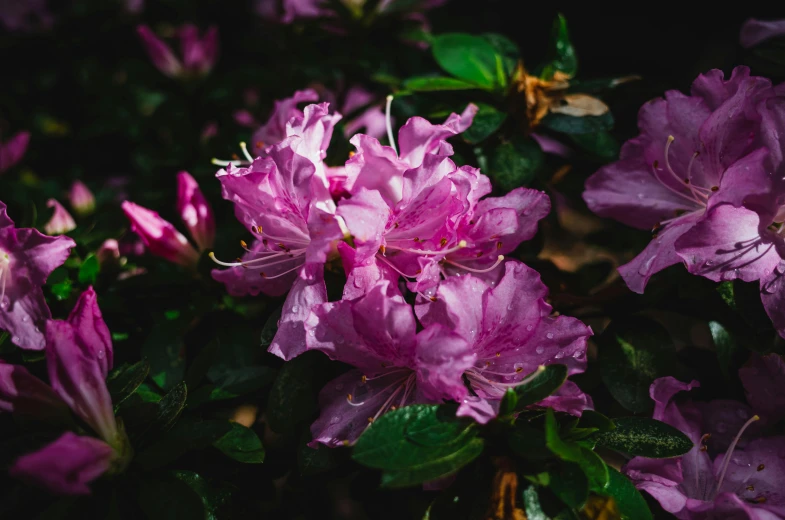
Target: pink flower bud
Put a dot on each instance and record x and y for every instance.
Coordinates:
(195, 211)
(109, 252)
(81, 198)
(160, 237)
(199, 55)
(12, 151)
(160, 53)
(61, 222)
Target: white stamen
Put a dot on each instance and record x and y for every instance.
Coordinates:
(499, 260)
(388, 122)
(219, 162)
(728, 453)
(458, 247)
(244, 148)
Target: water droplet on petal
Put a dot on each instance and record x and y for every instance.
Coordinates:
(530, 327)
(539, 350)
(742, 413)
(295, 309)
(335, 420)
(559, 354)
(25, 319)
(16, 339)
(549, 335)
(100, 354)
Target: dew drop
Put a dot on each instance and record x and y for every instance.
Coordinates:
(295, 309)
(16, 339)
(312, 333)
(335, 420)
(539, 350)
(549, 335)
(100, 354)
(559, 355)
(530, 327)
(742, 413)
(740, 458)
(25, 319)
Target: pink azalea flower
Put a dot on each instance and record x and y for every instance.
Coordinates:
(195, 211)
(511, 333)
(284, 200)
(159, 236)
(694, 153)
(61, 222)
(763, 378)
(395, 364)
(198, 54)
(755, 31)
(26, 259)
(81, 198)
(12, 151)
(79, 356)
(743, 482)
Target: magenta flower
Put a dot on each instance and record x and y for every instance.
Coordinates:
(79, 356)
(764, 382)
(287, 11)
(395, 364)
(61, 222)
(81, 198)
(274, 130)
(694, 152)
(743, 482)
(25, 15)
(283, 198)
(755, 31)
(198, 54)
(421, 215)
(12, 151)
(195, 211)
(511, 333)
(160, 237)
(26, 259)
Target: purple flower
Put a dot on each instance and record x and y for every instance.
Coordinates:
(395, 364)
(26, 259)
(198, 54)
(743, 482)
(764, 382)
(67, 465)
(755, 31)
(160, 237)
(25, 15)
(694, 153)
(283, 198)
(511, 333)
(12, 151)
(61, 222)
(288, 11)
(79, 356)
(195, 211)
(81, 198)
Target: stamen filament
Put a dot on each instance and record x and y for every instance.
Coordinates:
(380, 257)
(388, 122)
(244, 148)
(499, 260)
(728, 453)
(283, 273)
(219, 162)
(458, 247)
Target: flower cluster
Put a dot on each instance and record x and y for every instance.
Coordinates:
(396, 219)
(735, 469)
(198, 54)
(707, 175)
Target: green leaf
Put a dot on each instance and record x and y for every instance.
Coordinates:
(88, 271)
(592, 419)
(630, 502)
(567, 124)
(562, 54)
(531, 503)
(528, 442)
(601, 143)
(592, 465)
(726, 347)
(187, 435)
(212, 499)
(569, 483)
(418, 443)
(634, 351)
(62, 290)
(435, 84)
(515, 163)
(540, 384)
(645, 437)
(123, 381)
(470, 58)
(508, 403)
(292, 398)
(242, 444)
(167, 497)
(507, 49)
(312, 461)
(486, 122)
(170, 407)
(165, 351)
(727, 294)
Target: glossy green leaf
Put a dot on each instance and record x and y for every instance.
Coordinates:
(562, 56)
(242, 444)
(507, 50)
(725, 345)
(567, 124)
(187, 435)
(601, 143)
(88, 271)
(292, 398)
(418, 443)
(629, 501)
(569, 483)
(123, 381)
(514, 164)
(645, 437)
(170, 407)
(212, 498)
(436, 83)
(539, 385)
(486, 122)
(634, 351)
(165, 352)
(592, 465)
(467, 57)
